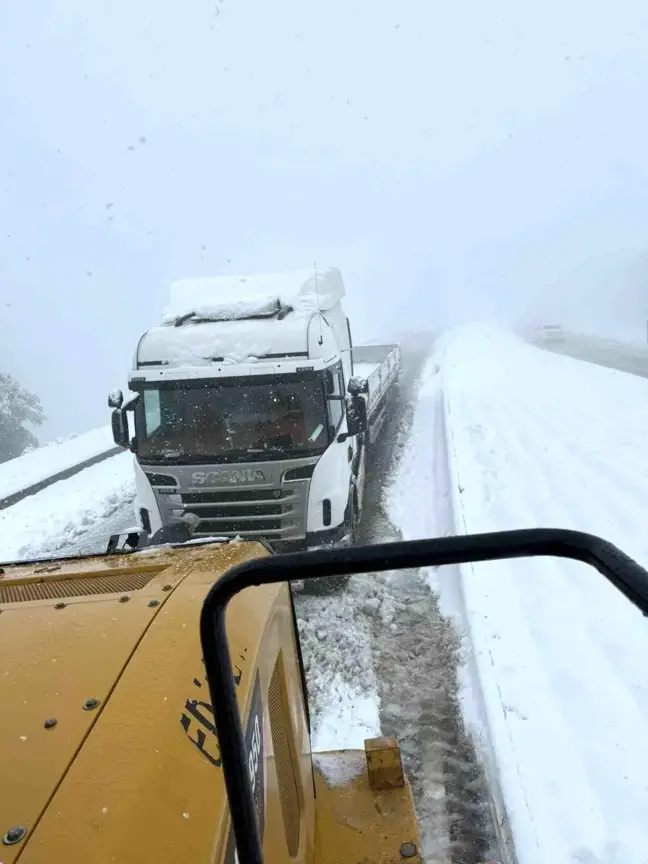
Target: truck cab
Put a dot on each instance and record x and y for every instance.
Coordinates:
(246, 418)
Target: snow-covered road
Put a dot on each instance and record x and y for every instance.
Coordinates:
(536, 439)
(625, 356)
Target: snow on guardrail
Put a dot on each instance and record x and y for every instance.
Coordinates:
(25, 475)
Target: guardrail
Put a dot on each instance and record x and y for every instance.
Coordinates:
(33, 488)
(629, 357)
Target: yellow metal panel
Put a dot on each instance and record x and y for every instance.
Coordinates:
(139, 778)
(52, 662)
(357, 824)
(73, 567)
(96, 572)
(147, 784)
(279, 636)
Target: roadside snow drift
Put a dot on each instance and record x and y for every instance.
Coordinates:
(58, 518)
(536, 439)
(17, 474)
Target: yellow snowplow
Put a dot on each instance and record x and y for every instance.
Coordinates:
(153, 706)
(108, 745)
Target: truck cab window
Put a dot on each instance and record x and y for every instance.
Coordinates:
(235, 419)
(335, 397)
(152, 411)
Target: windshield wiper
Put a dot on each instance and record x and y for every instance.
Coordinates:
(271, 448)
(166, 457)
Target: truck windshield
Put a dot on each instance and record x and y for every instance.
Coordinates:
(232, 420)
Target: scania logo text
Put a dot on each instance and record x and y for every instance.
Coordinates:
(234, 475)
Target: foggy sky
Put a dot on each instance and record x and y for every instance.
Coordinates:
(456, 160)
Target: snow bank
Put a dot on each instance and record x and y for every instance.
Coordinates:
(349, 717)
(51, 459)
(340, 770)
(58, 517)
(538, 439)
(414, 478)
(336, 644)
(235, 297)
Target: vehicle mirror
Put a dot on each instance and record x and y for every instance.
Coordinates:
(115, 399)
(356, 412)
(330, 382)
(119, 422)
(358, 386)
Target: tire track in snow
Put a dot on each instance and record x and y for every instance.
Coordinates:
(422, 703)
(410, 645)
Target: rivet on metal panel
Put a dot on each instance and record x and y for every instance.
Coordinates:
(153, 603)
(59, 605)
(14, 835)
(90, 704)
(124, 599)
(50, 723)
(407, 850)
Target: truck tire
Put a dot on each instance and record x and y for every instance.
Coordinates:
(332, 584)
(352, 522)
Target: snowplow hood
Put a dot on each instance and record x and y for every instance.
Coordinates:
(104, 707)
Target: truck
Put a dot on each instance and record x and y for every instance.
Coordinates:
(252, 411)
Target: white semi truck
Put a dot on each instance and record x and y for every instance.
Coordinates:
(252, 411)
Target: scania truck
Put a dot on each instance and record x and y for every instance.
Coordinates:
(251, 411)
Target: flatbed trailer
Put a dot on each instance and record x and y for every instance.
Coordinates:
(380, 366)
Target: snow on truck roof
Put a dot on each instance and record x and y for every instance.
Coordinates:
(240, 341)
(228, 298)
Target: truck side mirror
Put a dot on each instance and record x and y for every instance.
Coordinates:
(119, 422)
(357, 386)
(356, 411)
(115, 399)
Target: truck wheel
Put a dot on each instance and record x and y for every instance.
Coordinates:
(352, 523)
(332, 584)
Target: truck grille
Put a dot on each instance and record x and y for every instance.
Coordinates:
(246, 512)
